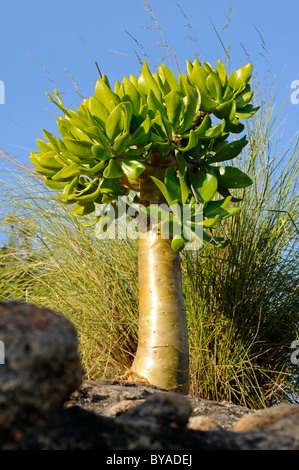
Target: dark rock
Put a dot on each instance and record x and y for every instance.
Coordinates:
(160, 423)
(42, 365)
(111, 397)
(70, 429)
(45, 406)
(224, 415)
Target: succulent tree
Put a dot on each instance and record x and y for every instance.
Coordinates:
(160, 142)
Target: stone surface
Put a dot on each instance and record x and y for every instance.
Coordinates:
(202, 423)
(42, 365)
(45, 405)
(113, 398)
(268, 419)
(162, 422)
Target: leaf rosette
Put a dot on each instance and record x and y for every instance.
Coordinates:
(107, 145)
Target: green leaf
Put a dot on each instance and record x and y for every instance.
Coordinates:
(154, 104)
(113, 170)
(99, 110)
(142, 135)
(93, 170)
(81, 209)
(70, 188)
(246, 112)
(239, 78)
(100, 152)
(67, 172)
(221, 72)
(106, 96)
(213, 208)
(162, 83)
(53, 141)
(178, 243)
(35, 159)
(229, 151)
(192, 142)
(182, 164)
(137, 152)
(91, 193)
(185, 190)
(59, 103)
(172, 185)
(226, 193)
(243, 98)
(204, 126)
(121, 143)
(220, 208)
(169, 76)
(213, 87)
(209, 223)
(212, 133)
(191, 102)
(231, 177)
(206, 186)
(199, 77)
(95, 133)
(146, 82)
(189, 67)
(81, 148)
(116, 123)
(226, 110)
(234, 126)
(43, 146)
(132, 168)
(228, 94)
(128, 92)
(173, 101)
(158, 126)
(109, 186)
(162, 188)
(51, 161)
(163, 148)
(207, 104)
(55, 184)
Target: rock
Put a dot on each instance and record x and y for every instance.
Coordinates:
(111, 397)
(42, 365)
(159, 423)
(45, 405)
(272, 418)
(202, 423)
(224, 415)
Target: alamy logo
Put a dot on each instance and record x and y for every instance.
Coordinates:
(178, 220)
(295, 354)
(295, 93)
(2, 353)
(2, 92)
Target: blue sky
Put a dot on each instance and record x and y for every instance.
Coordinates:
(44, 43)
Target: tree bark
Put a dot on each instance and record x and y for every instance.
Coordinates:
(162, 356)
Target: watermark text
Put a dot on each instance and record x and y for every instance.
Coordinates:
(2, 353)
(133, 222)
(295, 354)
(295, 93)
(2, 92)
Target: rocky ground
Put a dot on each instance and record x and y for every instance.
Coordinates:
(45, 403)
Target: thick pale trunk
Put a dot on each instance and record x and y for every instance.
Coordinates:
(162, 355)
